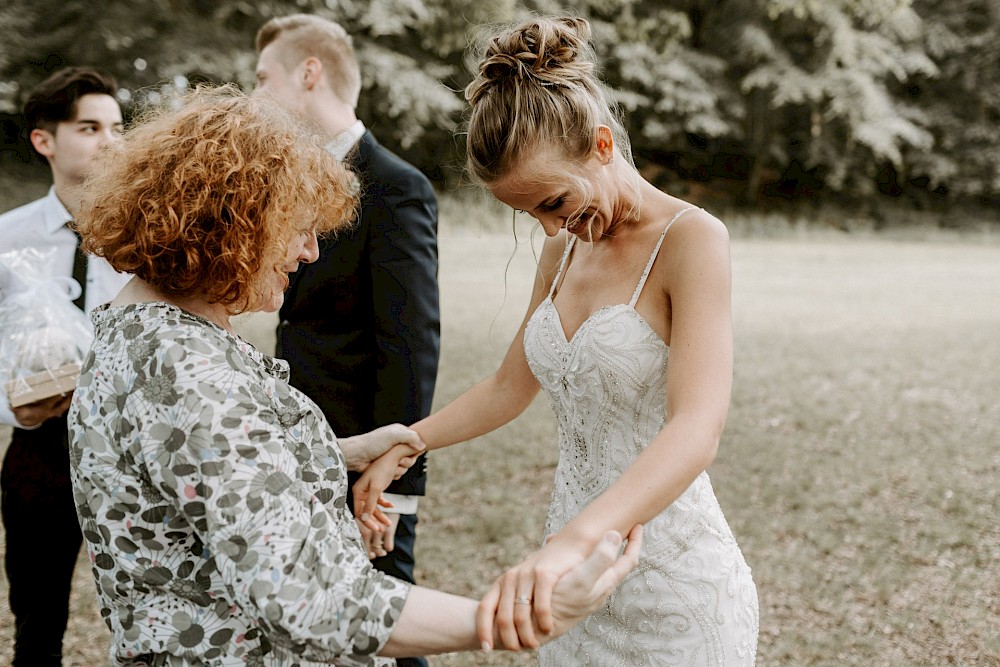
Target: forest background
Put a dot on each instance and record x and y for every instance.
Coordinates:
(868, 106)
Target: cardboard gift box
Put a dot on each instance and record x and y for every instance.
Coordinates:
(31, 388)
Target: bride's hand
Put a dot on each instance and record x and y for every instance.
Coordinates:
(368, 534)
(360, 450)
(553, 589)
(376, 478)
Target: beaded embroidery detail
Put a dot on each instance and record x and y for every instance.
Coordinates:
(692, 600)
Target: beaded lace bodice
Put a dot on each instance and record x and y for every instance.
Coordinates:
(607, 388)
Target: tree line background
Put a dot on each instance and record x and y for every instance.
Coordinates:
(749, 102)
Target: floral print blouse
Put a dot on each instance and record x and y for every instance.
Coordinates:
(212, 497)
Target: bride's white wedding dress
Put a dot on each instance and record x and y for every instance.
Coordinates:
(691, 601)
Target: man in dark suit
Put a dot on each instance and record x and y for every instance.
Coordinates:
(360, 327)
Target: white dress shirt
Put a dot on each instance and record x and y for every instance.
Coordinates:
(42, 225)
(345, 140)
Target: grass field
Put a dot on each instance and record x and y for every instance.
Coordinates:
(859, 468)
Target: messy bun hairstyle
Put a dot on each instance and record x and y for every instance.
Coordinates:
(536, 84)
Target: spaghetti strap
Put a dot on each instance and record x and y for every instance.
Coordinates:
(562, 264)
(656, 251)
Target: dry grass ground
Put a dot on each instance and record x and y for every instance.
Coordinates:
(859, 467)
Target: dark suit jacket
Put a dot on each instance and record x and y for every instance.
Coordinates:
(360, 327)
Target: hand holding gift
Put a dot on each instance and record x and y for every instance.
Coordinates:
(43, 336)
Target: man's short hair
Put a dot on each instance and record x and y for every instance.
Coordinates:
(54, 100)
(303, 36)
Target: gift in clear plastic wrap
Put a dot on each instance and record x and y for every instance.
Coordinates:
(43, 335)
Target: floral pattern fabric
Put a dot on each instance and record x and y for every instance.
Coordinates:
(212, 497)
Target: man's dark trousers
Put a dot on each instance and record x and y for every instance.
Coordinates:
(42, 540)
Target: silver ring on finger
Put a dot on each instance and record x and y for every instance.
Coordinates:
(522, 600)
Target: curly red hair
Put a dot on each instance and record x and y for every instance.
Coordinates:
(200, 197)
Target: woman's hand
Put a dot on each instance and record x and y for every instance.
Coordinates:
(361, 450)
(520, 599)
(377, 476)
(553, 589)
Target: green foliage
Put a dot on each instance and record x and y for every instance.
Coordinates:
(668, 88)
(822, 70)
(848, 96)
(963, 103)
(412, 101)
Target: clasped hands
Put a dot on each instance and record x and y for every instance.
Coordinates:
(554, 588)
(383, 455)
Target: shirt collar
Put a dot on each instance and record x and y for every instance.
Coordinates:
(342, 144)
(54, 213)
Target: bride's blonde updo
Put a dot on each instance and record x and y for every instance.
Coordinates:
(536, 87)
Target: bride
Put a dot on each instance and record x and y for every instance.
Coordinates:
(628, 277)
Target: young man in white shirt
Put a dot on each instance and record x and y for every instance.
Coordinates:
(70, 117)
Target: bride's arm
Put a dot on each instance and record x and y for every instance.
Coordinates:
(501, 397)
(482, 408)
(698, 387)
(487, 405)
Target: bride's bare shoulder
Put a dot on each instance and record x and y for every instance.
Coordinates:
(694, 225)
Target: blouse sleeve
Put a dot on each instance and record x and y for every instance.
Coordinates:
(248, 468)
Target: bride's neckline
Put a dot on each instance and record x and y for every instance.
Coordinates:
(635, 295)
(570, 340)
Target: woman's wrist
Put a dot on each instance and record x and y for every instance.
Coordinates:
(354, 452)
